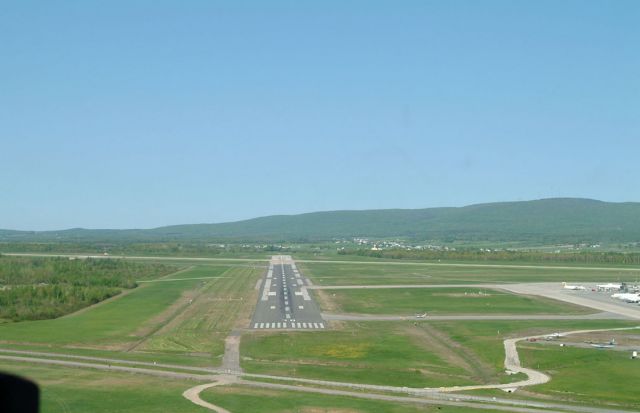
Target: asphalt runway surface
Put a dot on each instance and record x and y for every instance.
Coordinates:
(284, 302)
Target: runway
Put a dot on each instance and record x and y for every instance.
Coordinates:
(284, 302)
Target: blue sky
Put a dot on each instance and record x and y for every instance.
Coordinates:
(136, 114)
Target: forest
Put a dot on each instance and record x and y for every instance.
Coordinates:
(34, 288)
(589, 257)
(147, 249)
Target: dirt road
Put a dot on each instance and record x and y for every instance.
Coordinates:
(193, 394)
(231, 358)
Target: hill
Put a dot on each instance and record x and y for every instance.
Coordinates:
(548, 221)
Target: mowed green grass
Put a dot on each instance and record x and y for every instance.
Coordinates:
(485, 338)
(207, 321)
(373, 352)
(440, 301)
(74, 390)
(239, 398)
(70, 390)
(585, 375)
(425, 273)
(111, 322)
(59, 352)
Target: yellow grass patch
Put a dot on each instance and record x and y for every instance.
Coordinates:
(344, 351)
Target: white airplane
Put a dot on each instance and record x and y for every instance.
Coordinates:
(602, 345)
(609, 286)
(632, 298)
(573, 287)
(610, 344)
(421, 315)
(554, 335)
(627, 297)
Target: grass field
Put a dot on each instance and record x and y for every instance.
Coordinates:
(118, 322)
(585, 375)
(183, 359)
(183, 318)
(484, 338)
(424, 273)
(205, 323)
(375, 352)
(71, 390)
(429, 354)
(438, 301)
(183, 314)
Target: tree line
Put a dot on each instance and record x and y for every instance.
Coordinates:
(36, 302)
(34, 288)
(586, 257)
(155, 249)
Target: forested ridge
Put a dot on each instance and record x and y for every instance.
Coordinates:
(539, 222)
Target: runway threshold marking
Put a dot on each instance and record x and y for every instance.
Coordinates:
(292, 326)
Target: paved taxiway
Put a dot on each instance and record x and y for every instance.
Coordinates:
(471, 317)
(599, 300)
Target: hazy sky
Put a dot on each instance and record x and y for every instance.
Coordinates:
(146, 113)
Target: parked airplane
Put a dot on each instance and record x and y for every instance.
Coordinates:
(609, 286)
(421, 315)
(610, 344)
(554, 335)
(602, 346)
(573, 287)
(632, 298)
(627, 297)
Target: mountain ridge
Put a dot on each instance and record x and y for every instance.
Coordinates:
(544, 220)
